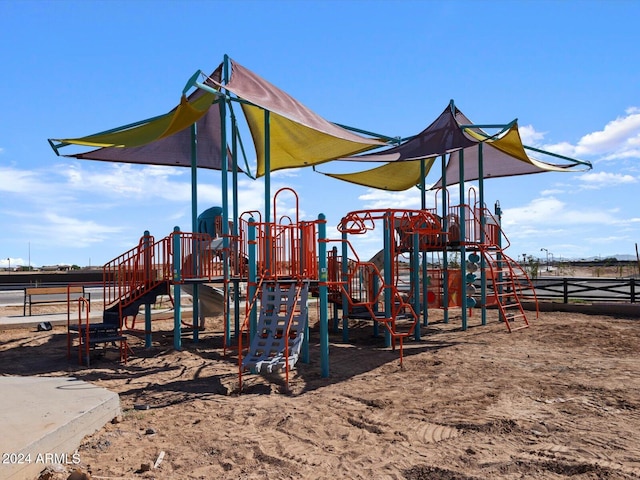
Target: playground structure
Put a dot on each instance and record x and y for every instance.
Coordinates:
(281, 263)
(282, 260)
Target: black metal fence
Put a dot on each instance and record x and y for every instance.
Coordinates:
(567, 289)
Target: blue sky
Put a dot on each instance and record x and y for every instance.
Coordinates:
(569, 71)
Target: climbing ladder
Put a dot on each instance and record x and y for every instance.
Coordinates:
(280, 331)
(509, 280)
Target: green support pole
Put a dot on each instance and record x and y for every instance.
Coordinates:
(415, 281)
(424, 305)
(225, 205)
(324, 298)
(177, 277)
(304, 355)
(147, 308)
(463, 250)
(234, 227)
(194, 227)
(483, 226)
(345, 280)
(445, 259)
(267, 189)
(388, 238)
(253, 318)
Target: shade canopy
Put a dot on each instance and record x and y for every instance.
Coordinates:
(287, 134)
(453, 134)
(164, 140)
(297, 136)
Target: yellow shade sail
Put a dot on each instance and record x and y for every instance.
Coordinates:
(394, 176)
(181, 117)
(292, 144)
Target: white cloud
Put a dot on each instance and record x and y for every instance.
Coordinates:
(382, 199)
(529, 135)
(551, 213)
(19, 181)
(619, 139)
(597, 180)
(67, 231)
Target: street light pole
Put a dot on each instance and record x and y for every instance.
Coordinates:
(547, 251)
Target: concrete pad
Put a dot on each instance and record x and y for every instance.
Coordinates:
(44, 419)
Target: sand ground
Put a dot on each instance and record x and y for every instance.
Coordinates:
(559, 399)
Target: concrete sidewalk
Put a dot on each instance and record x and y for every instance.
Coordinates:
(20, 321)
(44, 419)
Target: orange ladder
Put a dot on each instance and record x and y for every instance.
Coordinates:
(509, 280)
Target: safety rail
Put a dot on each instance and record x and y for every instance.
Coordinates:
(133, 273)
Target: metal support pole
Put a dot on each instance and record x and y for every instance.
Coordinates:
(253, 319)
(147, 272)
(483, 236)
(195, 257)
(424, 305)
(345, 292)
(177, 277)
(388, 270)
(463, 250)
(324, 298)
(445, 259)
(415, 282)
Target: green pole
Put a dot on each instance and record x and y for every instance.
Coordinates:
(463, 250)
(445, 259)
(483, 226)
(147, 307)
(388, 238)
(425, 274)
(267, 188)
(415, 282)
(195, 257)
(177, 277)
(236, 216)
(253, 320)
(324, 299)
(225, 204)
(345, 279)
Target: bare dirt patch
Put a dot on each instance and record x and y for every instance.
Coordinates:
(560, 399)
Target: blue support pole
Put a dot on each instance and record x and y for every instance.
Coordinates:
(177, 277)
(147, 308)
(324, 297)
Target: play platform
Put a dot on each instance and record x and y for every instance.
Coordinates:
(44, 419)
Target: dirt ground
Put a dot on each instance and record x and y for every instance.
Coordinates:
(559, 399)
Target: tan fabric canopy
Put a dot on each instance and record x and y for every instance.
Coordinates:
(297, 136)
